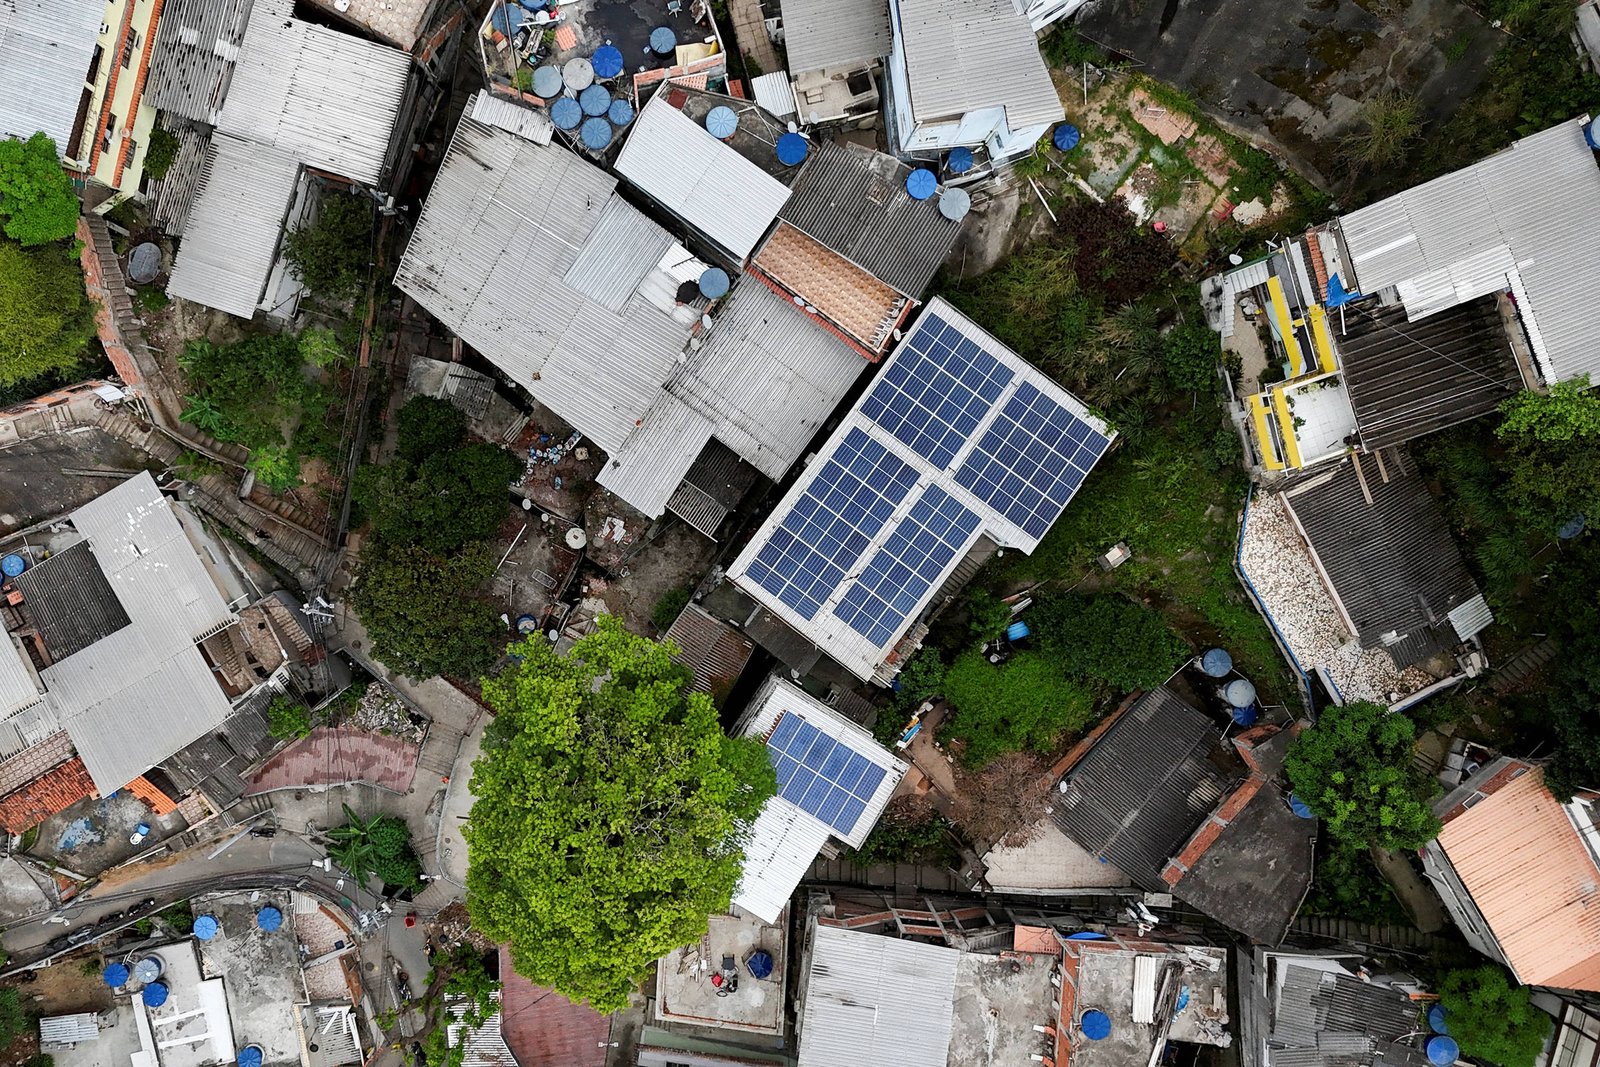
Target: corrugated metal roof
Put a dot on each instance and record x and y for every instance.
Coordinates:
(622, 248)
(854, 201)
(967, 55)
(876, 999)
(1325, 1016)
(774, 93)
(18, 687)
(782, 842)
(46, 47)
(1408, 379)
(69, 1029)
(652, 463)
(197, 43)
(484, 1046)
(1145, 786)
(525, 122)
(70, 601)
(835, 34)
(1393, 564)
(1535, 883)
(714, 653)
(708, 184)
(1462, 231)
(170, 195)
(330, 99)
(235, 221)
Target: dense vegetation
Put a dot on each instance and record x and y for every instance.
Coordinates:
(1027, 703)
(37, 204)
(46, 320)
(1354, 770)
(380, 845)
(424, 613)
(607, 798)
(332, 253)
(1492, 1019)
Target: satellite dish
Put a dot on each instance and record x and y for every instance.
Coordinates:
(1235, 258)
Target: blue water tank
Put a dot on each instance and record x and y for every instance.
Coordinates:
(547, 82)
(1017, 631)
(13, 565)
(250, 1056)
(595, 100)
(607, 61)
(1245, 716)
(205, 927)
(714, 283)
(921, 183)
(1443, 1050)
(959, 161)
(1436, 1020)
(1095, 1024)
(620, 113)
(1239, 693)
(1216, 663)
(792, 149)
(596, 134)
(722, 122)
(1567, 531)
(154, 995)
(1066, 137)
(663, 40)
(1591, 133)
(1300, 808)
(269, 918)
(116, 975)
(566, 113)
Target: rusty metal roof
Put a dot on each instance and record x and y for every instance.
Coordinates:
(714, 652)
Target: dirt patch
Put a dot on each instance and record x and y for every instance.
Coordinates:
(68, 986)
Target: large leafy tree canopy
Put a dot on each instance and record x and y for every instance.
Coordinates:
(608, 800)
(37, 204)
(1354, 770)
(46, 322)
(445, 501)
(420, 611)
(1492, 1019)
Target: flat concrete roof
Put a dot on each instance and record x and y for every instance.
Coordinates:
(685, 994)
(1111, 978)
(261, 970)
(192, 1028)
(998, 1002)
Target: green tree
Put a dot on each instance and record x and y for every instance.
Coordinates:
(37, 204)
(1108, 639)
(426, 426)
(288, 718)
(331, 255)
(1491, 1019)
(1569, 410)
(987, 616)
(321, 348)
(1190, 353)
(449, 499)
(46, 321)
(423, 612)
(1353, 769)
(1025, 704)
(161, 154)
(608, 800)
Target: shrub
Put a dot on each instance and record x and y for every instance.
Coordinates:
(1108, 639)
(320, 347)
(331, 255)
(670, 606)
(909, 831)
(161, 153)
(13, 1019)
(1025, 704)
(1354, 770)
(423, 612)
(288, 718)
(46, 322)
(1191, 355)
(987, 616)
(447, 500)
(37, 204)
(426, 425)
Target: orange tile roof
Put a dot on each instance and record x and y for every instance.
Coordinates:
(847, 296)
(1530, 875)
(56, 789)
(566, 38)
(151, 794)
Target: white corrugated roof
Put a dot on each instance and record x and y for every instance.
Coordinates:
(525, 122)
(235, 223)
(330, 99)
(708, 184)
(18, 688)
(835, 34)
(773, 92)
(486, 1045)
(967, 55)
(826, 629)
(1506, 221)
(873, 999)
(46, 47)
(68, 1029)
(783, 840)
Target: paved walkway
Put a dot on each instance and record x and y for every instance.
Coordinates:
(749, 28)
(336, 755)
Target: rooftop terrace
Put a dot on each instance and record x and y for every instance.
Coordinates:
(685, 993)
(1152, 993)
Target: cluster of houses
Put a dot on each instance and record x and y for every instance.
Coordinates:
(708, 282)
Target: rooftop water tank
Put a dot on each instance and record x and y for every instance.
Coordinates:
(792, 149)
(13, 565)
(154, 995)
(596, 134)
(566, 113)
(620, 112)
(1095, 1024)
(1216, 663)
(577, 73)
(205, 927)
(1239, 693)
(1245, 716)
(722, 122)
(250, 1056)
(921, 183)
(1436, 1020)
(148, 969)
(1300, 808)
(547, 81)
(959, 161)
(954, 204)
(1443, 1050)
(269, 918)
(607, 61)
(714, 283)
(663, 40)
(116, 975)
(595, 100)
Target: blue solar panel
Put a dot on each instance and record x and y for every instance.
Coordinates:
(902, 571)
(831, 523)
(937, 390)
(1032, 459)
(820, 775)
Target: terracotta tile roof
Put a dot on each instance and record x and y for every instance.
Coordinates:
(58, 788)
(847, 296)
(1533, 880)
(566, 38)
(154, 798)
(542, 1028)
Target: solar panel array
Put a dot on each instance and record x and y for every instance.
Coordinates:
(1032, 459)
(820, 775)
(832, 523)
(911, 559)
(936, 392)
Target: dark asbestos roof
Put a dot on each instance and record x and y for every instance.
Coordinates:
(714, 653)
(1407, 379)
(70, 601)
(1327, 1019)
(1146, 786)
(854, 201)
(217, 762)
(1392, 563)
(1254, 877)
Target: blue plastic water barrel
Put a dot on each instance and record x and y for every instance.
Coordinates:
(269, 918)
(792, 149)
(595, 100)
(1436, 1020)
(1095, 1024)
(620, 112)
(1216, 663)
(1443, 1050)
(116, 975)
(205, 927)
(1066, 137)
(921, 183)
(1017, 631)
(566, 113)
(13, 565)
(959, 161)
(154, 995)
(607, 61)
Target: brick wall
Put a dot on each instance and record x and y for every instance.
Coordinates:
(99, 263)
